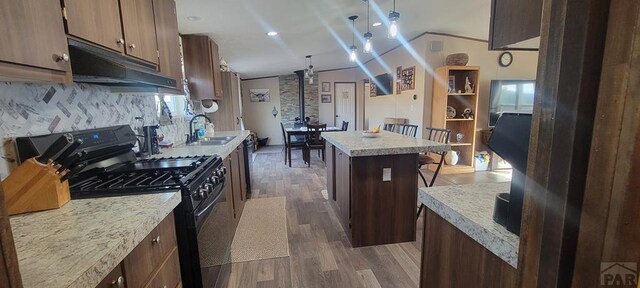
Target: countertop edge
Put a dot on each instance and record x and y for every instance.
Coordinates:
(363, 152)
(93, 275)
(472, 229)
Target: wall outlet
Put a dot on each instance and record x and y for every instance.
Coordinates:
(386, 174)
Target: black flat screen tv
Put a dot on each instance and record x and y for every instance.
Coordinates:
(384, 84)
(510, 96)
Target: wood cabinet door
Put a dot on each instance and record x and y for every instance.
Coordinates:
(169, 273)
(166, 20)
(343, 188)
(331, 172)
(243, 173)
(235, 99)
(96, 21)
(150, 253)
(115, 279)
(33, 34)
(229, 195)
(197, 66)
(238, 201)
(217, 75)
(139, 29)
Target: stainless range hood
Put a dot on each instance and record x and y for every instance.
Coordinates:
(94, 65)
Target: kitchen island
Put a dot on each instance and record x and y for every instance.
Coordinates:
(373, 183)
(462, 245)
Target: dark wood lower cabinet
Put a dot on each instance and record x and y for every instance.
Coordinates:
(450, 258)
(154, 262)
(115, 279)
(374, 209)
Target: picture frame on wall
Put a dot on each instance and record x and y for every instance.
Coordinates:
(398, 80)
(259, 95)
(408, 78)
(326, 86)
(325, 98)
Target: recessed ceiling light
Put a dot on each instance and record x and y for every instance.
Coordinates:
(376, 24)
(272, 33)
(193, 18)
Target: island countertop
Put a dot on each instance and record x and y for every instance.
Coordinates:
(80, 243)
(221, 150)
(387, 143)
(470, 209)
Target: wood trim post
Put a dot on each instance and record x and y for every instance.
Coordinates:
(569, 66)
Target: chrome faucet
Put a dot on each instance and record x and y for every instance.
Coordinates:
(194, 137)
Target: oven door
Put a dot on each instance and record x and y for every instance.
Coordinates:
(213, 225)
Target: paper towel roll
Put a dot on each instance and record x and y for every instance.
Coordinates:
(210, 109)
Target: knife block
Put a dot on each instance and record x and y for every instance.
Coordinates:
(34, 186)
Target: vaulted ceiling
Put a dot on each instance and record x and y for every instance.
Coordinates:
(319, 28)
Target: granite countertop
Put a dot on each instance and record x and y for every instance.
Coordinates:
(470, 209)
(387, 143)
(80, 243)
(222, 150)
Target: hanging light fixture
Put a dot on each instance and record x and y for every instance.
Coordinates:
(368, 35)
(353, 55)
(308, 72)
(393, 19)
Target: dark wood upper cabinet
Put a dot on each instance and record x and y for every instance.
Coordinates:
(95, 21)
(514, 21)
(34, 43)
(168, 40)
(215, 64)
(202, 67)
(139, 28)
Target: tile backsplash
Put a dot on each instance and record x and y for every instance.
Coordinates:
(34, 109)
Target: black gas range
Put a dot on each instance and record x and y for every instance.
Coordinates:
(105, 165)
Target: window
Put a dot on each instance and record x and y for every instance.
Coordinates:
(178, 104)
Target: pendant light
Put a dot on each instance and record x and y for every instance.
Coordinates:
(368, 35)
(353, 55)
(308, 72)
(393, 19)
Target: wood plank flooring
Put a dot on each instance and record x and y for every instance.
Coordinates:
(320, 253)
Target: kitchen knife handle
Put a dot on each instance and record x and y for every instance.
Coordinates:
(73, 171)
(57, 145)
(71, 160)
(70, 149)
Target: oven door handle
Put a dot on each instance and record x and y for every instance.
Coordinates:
(210, 205)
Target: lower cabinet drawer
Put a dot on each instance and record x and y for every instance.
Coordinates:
(115, 279)
(150, 253)
(169, 274)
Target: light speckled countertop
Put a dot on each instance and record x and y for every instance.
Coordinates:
(388, 143)
(80, 243)
(222, 150)
(470, 209)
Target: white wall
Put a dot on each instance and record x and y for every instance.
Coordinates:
(257, 115)
(419, 111)
(327, 110)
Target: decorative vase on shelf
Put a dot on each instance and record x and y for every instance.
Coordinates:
(452, 157)
(459, 137)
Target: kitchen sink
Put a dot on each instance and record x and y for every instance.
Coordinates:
(212, 141)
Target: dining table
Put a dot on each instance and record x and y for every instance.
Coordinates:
(302, 131)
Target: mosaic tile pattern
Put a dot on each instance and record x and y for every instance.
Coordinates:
(34, 109)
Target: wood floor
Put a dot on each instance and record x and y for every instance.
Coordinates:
(320, 253)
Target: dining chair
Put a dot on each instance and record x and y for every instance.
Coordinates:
(389, 127)
(436, 135)
(345, 125)
(289, 145)
(314, 142)
(408, 130)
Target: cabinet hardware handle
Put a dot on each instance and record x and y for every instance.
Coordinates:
(62, 58)
(120, 42)
(156, 240)
(118, 282)
(132, 46)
